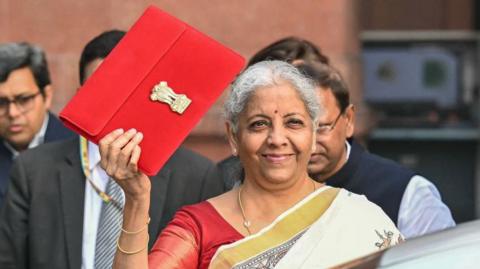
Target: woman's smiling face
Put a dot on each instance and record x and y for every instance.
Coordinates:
(275, 135)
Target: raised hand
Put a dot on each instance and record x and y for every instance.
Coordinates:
(120, 152)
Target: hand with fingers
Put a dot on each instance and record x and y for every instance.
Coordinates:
(120, 152)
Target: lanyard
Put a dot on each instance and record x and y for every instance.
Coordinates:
(86, 171)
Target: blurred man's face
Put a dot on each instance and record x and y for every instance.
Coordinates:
(333, 130)
(22, 108)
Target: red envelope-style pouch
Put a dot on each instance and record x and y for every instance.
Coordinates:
(160, 79)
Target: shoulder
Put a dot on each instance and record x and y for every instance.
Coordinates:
(196, 218)
(420, 192)
(202, 215)
(56, 130)
(41, 163)
(386, 172)
(371, 159)
(3, 150)
(354, 201)
(421, 184)
(205, 222)
(198, 211)
(422, 209)
(368, 217)
(381, 161)
(359, 207)
(34, 173)
(204, 227)
(50, 151)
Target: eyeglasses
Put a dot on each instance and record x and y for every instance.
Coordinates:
(324, 129)
(23, 103)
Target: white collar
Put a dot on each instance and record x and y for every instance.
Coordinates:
(349, 148)
(39, 138)
(93, 155)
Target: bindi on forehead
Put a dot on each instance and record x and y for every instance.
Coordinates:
(276, 111)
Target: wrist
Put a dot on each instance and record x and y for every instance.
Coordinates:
(137, 202)
(137, 189)
(135, 214)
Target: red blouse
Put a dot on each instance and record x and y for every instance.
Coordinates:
(191, 239)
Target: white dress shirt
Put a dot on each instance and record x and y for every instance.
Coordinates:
(93, 207)
(421, 208)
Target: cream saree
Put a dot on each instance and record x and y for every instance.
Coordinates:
(328, 227)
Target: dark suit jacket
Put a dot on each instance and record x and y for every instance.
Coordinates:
(381, 180)
(55, 131)
(41, 223)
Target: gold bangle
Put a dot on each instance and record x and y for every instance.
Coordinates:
(131, 252)
(139, 231)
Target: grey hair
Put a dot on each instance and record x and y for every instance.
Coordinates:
(264, 74)
(14, 56)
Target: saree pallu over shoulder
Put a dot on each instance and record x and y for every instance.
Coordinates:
(267, 247)
(351, 228)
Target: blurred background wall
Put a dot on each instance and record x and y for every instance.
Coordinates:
(420, 66)
(422, 138)
(63, 27)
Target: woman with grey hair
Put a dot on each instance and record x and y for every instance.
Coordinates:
(278, 217)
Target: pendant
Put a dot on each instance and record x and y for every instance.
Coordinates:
(246, 223)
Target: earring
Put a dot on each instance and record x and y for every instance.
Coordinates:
(234, 152)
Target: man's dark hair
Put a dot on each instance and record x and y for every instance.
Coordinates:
(290, 49)
(326, 77)
(15, 56)
(98, 48)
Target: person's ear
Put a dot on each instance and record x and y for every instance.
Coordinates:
(232, 139)
(350, 117)
(47, 95)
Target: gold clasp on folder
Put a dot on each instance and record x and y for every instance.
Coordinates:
(177, 102)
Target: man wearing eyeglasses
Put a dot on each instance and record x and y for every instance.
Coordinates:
(25, 96)
(410, 200)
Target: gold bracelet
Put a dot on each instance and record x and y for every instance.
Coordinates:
(139, 231)
(132, 252)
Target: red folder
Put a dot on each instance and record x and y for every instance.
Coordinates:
(161, 67)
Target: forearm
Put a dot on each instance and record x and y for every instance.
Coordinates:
(133, 241)
(120, 153)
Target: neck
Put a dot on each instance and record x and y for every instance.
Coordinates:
(21, 147)
(325, 174)
(15, 148)
(265, 204)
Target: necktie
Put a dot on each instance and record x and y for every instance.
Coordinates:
(108, 227)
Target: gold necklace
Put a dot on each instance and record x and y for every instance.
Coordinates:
(247, 223)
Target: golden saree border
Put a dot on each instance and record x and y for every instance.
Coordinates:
(288, 225)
